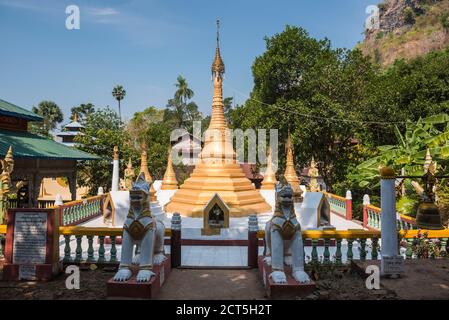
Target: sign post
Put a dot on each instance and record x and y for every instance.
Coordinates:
(32, 245)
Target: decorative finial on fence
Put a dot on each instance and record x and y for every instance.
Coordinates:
(348, 195)
(176, 221)
(253, 224)
(58, 200)
(366, 200)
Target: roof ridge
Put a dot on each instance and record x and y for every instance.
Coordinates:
(21, 112)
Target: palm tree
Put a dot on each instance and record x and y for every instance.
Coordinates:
(183, 91)
(52, 115)
(119, 93)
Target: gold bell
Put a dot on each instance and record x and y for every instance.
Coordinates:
(428, 217)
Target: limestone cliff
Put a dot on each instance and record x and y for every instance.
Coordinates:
(407, 29)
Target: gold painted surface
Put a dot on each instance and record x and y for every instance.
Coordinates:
(115, 155)
(144, 164)
(269, 178)
(169, 182)
(290, 172)
(217, 170)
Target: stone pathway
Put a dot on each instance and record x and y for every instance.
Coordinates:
(213, 284)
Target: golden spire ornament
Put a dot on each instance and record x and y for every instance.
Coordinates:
(115, 153)
(269, 178)
(144, 164)
(5, 182)
(152, 193)
(217, 170)
(290, 172)
(169, 182)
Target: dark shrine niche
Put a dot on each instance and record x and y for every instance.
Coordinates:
(216, 217)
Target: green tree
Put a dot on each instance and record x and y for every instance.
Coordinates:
(52, 115)
(304, 85)
(183, 92)
(119, 94)
(148, 126)
(181, 113)
(82, 111)
(103, 131)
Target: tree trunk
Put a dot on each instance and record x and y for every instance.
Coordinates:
(119, 111)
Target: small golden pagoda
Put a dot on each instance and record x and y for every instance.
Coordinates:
(169, 182)
(144, 164)
(269, 178)
(290, 172)
(217, 170)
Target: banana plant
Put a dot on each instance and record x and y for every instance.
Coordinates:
(409, 153)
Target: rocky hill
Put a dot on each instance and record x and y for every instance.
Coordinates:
(407, 29)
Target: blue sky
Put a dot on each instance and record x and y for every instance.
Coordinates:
(145, 44)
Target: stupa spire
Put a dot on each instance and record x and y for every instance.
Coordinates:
(169, 182)
(218, 69)
(217, 170)
(290, 172)
(269, 178)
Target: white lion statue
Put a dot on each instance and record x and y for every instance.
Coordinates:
(283, 235)
(141, 229)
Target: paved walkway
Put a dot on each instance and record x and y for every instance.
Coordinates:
(212, 284)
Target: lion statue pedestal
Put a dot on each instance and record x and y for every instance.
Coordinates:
(142, 276)
(282, 267)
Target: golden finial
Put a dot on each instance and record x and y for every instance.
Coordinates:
(75, 117)
(9, 159)
(116, 153)
(169, 182)
(218, 67)
(152, 193)
(429, 164)
(269, 179)
(290, 172)
(144, 163)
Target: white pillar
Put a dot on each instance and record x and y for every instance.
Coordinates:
(389, 233)
(115, 171)
(115, 176)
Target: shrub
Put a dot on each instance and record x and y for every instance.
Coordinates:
(444, 20)
(409, 16)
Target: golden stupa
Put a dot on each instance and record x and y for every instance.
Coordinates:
(169, 182)
(217, 170)
(290, 172)
(269, 178)
(144, 164)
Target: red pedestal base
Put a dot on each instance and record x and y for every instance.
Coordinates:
(140, 290)
(44, 272)
(288, 290)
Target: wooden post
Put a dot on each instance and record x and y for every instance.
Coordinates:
(175, 242)
(253, 245)
(366, 203)
(348, 205)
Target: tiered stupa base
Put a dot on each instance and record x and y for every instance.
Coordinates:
(228, 180)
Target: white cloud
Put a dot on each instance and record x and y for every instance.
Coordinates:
(103, 11)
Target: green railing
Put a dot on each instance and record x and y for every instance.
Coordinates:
(76, 212)
(337, 204)
(373, 214)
